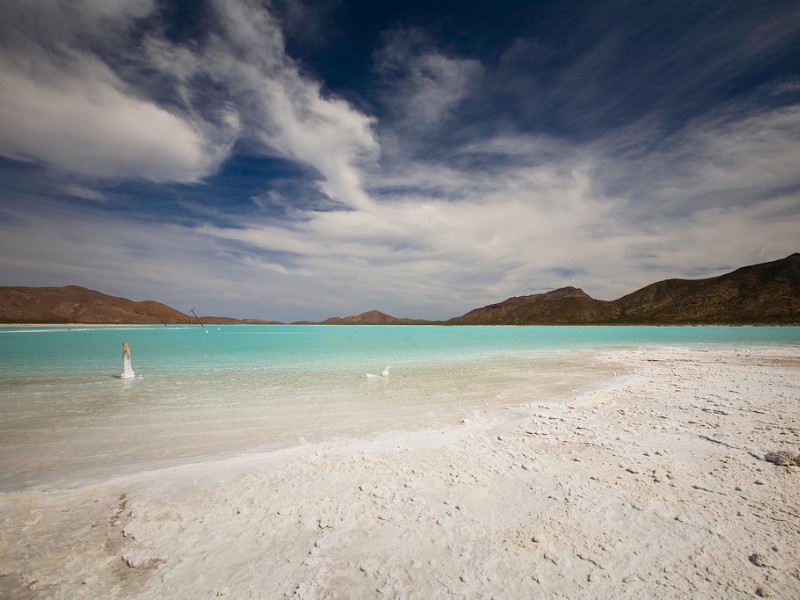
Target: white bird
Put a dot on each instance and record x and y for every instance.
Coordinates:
(384, 373)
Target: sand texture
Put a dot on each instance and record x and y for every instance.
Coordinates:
(655, 486)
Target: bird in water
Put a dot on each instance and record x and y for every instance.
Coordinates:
(384, 373)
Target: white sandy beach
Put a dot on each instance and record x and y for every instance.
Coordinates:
(654, 486)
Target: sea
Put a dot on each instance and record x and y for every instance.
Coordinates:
(67, 418)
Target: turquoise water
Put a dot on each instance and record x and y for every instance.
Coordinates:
(66, 418)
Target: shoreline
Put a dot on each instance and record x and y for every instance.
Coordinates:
(654, 485)
(421, 324)
(105, 324)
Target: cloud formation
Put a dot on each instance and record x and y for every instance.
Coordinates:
(452, 178)
(284, 110)
(62, 104)
(423, 86)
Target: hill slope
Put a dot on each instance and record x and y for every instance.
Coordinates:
(371, 317)
(764, 293)
(564, 306)
(767, 293)
(75, 304)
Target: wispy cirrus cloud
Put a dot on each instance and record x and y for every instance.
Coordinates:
(422, 85)
(87, 123)
(279, 110)
(551, 214)
(63, 104)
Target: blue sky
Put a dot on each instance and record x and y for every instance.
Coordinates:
(297, 160)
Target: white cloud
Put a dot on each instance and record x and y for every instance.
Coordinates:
(413, 254)
(63, 104)
(272, 102)
(87, 123)
(286, 111)
(722, 191)
(483, 245)
(36, 24)
(735, 158)
(526, 223)
(746, 157)
(423, 85)
(79, 191)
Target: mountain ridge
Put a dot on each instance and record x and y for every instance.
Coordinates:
(371, 317)
(766, 293)
(76, 304)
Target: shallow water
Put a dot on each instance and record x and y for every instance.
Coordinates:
(67, 418)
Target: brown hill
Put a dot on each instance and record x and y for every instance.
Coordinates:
(74, 304)
(233, 321)
(767, 293)
(764, 293)
(564, 306)
(371, 317)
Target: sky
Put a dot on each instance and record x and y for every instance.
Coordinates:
(297, 160)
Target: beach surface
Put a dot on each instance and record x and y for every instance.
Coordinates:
(655, 485)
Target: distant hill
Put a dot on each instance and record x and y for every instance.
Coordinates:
(764, 293)
(565, 306)
(232, 321)
(767, 293)
(372, 317)
(74, 304)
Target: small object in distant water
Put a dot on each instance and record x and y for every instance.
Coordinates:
(384, 373)
(198, 319)
(127, 370)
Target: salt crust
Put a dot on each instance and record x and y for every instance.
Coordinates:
(654, 486)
